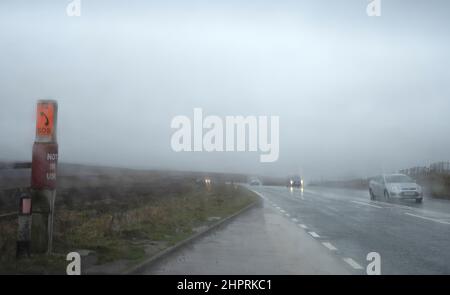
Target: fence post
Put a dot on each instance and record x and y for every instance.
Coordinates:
(24, 230)
(43, 176)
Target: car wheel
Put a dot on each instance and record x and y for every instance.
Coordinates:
(386, 195)
(372, 196)
(419, 200)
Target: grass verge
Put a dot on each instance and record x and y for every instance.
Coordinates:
(129, 223)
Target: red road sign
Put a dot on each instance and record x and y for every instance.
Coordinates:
(43, 176)
(46, 121)
(43, 170)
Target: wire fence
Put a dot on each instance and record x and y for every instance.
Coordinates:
(15, 165)
(8, 215)
(9, 166)
(442, 168)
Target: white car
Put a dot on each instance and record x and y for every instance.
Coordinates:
(255, 181)
(395, 186)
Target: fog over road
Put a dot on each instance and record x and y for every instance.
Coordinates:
(321, 231)
(342, 83)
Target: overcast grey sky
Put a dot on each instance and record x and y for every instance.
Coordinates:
(356, 95)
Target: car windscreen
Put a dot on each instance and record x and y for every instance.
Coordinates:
(398, 179)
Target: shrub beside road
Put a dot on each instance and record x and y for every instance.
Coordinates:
(437, 185)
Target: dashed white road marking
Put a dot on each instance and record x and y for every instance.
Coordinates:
(294, 219)
(352, 263)
(428, 218)
(282, 211)
(367, 204)
(329, 246)
(287, 214)
(303, 226)
(314, 234)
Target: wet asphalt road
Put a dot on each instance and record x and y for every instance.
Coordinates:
(411, 238)
(321, 231)
(261, 241)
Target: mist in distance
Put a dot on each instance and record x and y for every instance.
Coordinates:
(356, 95)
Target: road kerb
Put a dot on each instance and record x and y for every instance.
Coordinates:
(137, 268)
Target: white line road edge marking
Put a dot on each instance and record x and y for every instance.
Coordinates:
(329, 246)
(398, 206)
(303, 226)
(428, 218)
(352, 263)
(313, 234)
(258, 193)
(367, 204)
